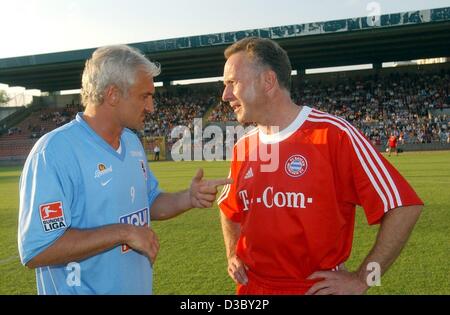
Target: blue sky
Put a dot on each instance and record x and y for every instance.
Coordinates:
(41, 26)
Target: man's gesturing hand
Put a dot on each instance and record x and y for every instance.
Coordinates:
(203, 192)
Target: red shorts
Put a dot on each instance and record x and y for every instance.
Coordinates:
(257, 286)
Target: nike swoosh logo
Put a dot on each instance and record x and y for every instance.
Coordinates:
(106, 183)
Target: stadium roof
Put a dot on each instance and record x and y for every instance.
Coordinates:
(390, 37)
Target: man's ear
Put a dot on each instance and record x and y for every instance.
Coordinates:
(269, 80)
(112, 95)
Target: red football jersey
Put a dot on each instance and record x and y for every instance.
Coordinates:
(298, 218)
(392, 141)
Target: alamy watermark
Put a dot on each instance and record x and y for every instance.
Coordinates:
(210, 144)
(373, 17)
(73, 278)
(374, 277)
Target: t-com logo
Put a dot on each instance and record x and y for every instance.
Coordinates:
(52, 216)
(280, 199)
(138, 218)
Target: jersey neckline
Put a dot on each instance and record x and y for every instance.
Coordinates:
(99, 140)
(288, 131)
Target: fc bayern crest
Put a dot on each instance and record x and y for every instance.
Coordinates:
(296, 166)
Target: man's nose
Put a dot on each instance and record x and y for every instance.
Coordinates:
(227, 94)
(150, 105)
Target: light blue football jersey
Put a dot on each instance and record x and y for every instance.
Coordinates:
(73, 179)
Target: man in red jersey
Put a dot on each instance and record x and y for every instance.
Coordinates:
(289, 229)
(392, 144)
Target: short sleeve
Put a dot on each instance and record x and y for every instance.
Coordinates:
(367, 179)
(46, 195)
(152, 187)
(227, 201)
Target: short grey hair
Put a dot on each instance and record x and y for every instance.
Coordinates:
(113, 65)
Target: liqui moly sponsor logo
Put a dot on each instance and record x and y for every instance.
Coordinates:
(278, 199)
(138, 218)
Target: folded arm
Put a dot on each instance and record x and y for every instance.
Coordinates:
(76, 245)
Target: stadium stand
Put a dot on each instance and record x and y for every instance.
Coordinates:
(18, 140)
(407, 104)
(412, 102)
(173, 109)
(400, 102)
(414, 105)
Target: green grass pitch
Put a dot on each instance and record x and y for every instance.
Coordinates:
(192, 256)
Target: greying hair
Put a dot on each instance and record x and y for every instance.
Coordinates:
(113, 65)
(266, 53)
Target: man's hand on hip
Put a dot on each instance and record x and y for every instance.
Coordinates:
(339, 282)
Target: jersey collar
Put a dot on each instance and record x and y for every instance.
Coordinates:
(99, 140)
(288, 131)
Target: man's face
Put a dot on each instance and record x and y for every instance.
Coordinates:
(138, 102)
(242, 88)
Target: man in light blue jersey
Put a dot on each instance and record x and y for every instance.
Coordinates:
(87, 195)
